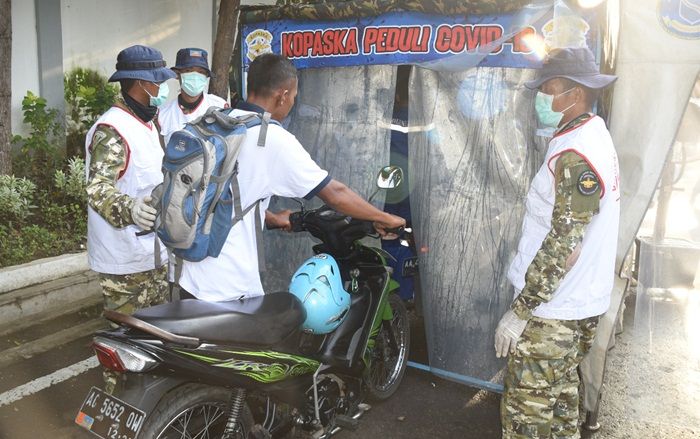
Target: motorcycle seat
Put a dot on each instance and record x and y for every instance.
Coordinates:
(262, 320)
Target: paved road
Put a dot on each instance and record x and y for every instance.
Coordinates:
(48, 413)
(48, 389)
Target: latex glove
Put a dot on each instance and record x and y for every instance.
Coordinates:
(508, 332)
(143, 214)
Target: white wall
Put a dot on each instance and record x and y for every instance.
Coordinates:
(25, 61)
(94, 31)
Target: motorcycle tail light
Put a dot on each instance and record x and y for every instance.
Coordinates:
(121, 357)
(108, 357)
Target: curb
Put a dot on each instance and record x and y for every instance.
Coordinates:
(48, 298)
(45, 287)
(41, 271)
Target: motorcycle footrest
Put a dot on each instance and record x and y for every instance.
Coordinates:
(346, 422)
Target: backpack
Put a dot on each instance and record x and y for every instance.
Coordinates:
(199, 194)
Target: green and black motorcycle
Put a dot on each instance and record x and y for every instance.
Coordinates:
(264, 366)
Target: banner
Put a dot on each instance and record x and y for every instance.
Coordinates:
(414, 38)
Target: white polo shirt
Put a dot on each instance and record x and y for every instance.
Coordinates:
(282, 167)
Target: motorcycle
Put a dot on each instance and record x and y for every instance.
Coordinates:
(256, 367)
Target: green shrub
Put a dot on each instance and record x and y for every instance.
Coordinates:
(38, 151)
(16, 197)
(72, 182)
(88, 95)
(57, 206)
(28, 243)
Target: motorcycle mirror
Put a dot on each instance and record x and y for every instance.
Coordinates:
(390, 177)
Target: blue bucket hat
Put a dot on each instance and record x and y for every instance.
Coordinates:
(141, 62)
(192, 57)
(576, 64)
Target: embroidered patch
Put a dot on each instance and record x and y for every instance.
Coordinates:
(588, 183)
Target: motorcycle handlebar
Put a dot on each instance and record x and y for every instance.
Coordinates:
(296, 219)
(396, 230)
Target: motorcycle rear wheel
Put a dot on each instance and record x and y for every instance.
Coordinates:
(390, 353)
(194, 410)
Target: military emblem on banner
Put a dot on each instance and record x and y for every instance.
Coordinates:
(680, 17)
(565, 31)
(258, 42)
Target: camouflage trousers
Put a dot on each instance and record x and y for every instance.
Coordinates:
(126, 293)
(540, 398)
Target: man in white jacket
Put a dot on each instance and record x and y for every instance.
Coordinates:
(563, 272)
(193, 73)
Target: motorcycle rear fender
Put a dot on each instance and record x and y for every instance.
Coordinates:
(145, 390)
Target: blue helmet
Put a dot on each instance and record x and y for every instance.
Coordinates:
(318, 285)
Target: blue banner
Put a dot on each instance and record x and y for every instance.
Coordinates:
(415, 38)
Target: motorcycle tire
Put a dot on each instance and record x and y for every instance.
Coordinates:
(194, 410)
(388, 364)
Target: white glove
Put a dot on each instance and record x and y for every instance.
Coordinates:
(143, 214)
(508, 332)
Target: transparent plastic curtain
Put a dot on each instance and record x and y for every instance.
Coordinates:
(473, 152)
(341, 118)
(665, 348)
(656, 65)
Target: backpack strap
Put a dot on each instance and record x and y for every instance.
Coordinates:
(156, 241)
(258, 225)
(177, 262)
(160, 135)
(222, 118)
(264, 122)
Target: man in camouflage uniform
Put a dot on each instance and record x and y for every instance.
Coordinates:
(564, 269)
(124, 156)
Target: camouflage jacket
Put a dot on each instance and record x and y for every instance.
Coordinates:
(572, 212)
(108, 161)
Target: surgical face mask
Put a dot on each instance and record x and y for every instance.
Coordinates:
(193, 83)
(163, 91)
(543, 107)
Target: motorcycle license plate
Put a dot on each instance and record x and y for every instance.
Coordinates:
(409, 267)
(109, 417)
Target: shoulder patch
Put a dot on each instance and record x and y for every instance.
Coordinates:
(588, 183)
(99, 136)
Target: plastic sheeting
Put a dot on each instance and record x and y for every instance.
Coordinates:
(656, 71)
(665, 348)
(342, 118)
(470, 168)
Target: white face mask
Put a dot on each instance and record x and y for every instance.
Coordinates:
(193, 83)
(545, 114)
(163, 91)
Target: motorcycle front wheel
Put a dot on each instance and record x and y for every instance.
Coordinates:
(390, 353)
(195, 411)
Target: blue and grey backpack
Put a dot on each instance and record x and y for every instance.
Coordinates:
(199, 194)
